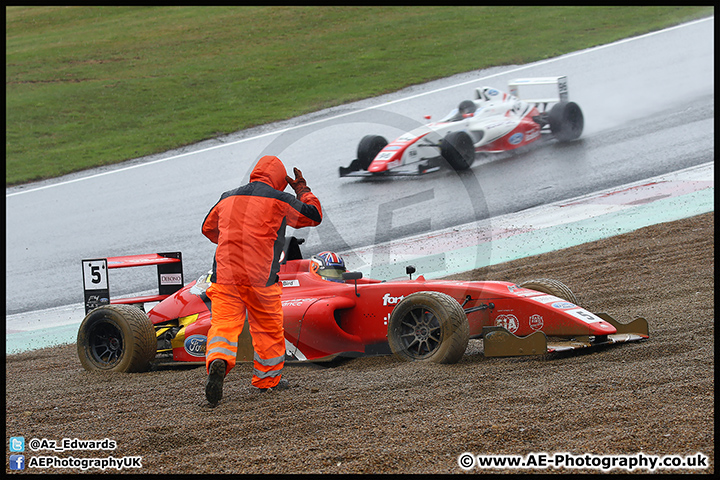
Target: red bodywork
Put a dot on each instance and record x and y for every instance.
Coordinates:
(527, 131)
(324, 318)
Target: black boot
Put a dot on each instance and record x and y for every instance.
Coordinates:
(214, 383)
(282, 385)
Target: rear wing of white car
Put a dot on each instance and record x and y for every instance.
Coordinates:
(96, 285)
(534, 87)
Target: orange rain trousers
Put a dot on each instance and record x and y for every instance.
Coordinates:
(230, 303)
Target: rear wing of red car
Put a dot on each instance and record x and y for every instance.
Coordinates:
(96, 284)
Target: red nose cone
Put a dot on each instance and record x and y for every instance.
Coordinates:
(384, 161)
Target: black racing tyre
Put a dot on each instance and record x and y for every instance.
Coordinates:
(458, 150)
(116, 338)
(430, 327)
(551, 287)
(368, 148)
(566, 121)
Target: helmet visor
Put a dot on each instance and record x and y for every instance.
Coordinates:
(331, 273)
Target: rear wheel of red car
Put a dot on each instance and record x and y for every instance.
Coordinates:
(368, 148)
(551, 287)
(458, 150)
(566, 121)
(116, 338)
(428, 326)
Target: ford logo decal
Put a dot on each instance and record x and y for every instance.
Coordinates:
(515, 139)
(195, 345)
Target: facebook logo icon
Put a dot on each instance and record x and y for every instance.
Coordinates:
(17, 444)
(17, 462)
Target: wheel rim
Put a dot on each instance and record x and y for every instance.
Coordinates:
(420, 332)
(105, 344)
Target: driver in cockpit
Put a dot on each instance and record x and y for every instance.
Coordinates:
(329, 265)
(465, 109)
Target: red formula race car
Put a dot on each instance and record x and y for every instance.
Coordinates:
(413, 318)
(494, 121)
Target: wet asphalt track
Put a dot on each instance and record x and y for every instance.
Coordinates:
(648, 105)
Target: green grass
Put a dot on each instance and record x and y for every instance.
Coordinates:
(90, 86)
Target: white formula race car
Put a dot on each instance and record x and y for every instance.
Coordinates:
(495, 121)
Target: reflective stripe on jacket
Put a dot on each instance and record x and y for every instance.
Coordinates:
(248, 225)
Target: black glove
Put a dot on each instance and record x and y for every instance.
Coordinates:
(298, 184)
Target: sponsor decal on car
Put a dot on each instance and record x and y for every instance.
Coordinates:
(95, 300)
(532, 134)
(390, 300)
(195, 345)
(563, 305)
(536, 322)
(547, 298)
(515, 139)
(171, 279)
(291, 283)
(297, 302)
(509, 322)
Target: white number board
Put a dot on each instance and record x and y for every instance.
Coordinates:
(95, 274)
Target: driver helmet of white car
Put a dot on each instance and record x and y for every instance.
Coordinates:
(329, 265)
(467, 107)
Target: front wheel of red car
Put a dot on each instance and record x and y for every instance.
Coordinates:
(428, 326)
(116, 338)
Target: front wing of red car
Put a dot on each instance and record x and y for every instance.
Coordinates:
(499, 342)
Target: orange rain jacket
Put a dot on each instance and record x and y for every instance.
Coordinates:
(248, 225)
